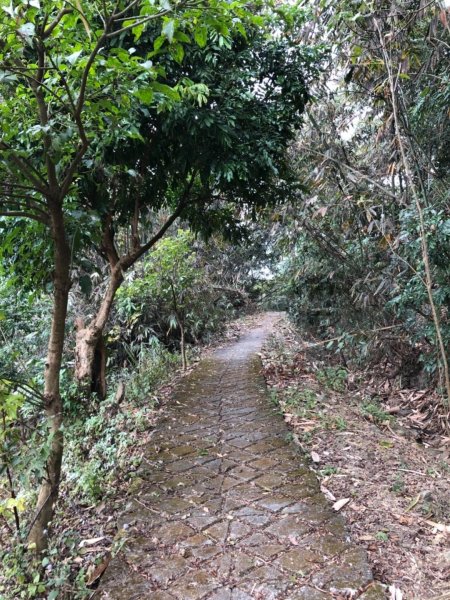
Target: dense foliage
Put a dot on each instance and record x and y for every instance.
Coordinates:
(118, 118)
(368, 261)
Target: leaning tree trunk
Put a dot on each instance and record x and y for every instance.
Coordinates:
(90, 359)
(90, 352)
(49, 488)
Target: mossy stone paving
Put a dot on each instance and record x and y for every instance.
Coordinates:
(226, 507)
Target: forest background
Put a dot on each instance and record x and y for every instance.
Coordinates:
(167, 166)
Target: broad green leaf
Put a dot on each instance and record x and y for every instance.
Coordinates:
(145, 95)
(162, 88)
(168, 29)
(201, 36)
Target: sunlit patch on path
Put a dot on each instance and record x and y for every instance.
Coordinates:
(227, 507)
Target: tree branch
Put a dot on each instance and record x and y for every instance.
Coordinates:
(422, 226)
(132, 257)
(48, 31)
(87, 68)
(24, 215)
(108, 246)
(22, 203)
(120, 14)
(138, 23)
(25, 168)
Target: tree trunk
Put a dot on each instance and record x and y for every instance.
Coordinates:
(183, 346)
(88, 338)
(90, 352)
(49, 488)
(99, 369)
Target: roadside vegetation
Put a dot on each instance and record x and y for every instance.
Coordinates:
(378, 462)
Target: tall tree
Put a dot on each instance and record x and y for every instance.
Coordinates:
(211, 160)
(66, 80)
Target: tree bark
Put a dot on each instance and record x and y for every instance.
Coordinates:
(183, 346)
(48, 492)
(99, 369)
(89, 339)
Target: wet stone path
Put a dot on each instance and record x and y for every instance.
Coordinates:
(226, 507)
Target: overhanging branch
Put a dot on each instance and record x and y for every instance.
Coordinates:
(24, 215)
(132, 257)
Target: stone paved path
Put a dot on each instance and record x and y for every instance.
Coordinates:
(227, 508)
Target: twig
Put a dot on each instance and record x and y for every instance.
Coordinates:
(357, 332)
(412, 471)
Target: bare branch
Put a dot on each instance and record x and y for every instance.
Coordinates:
(26, 168)
(108, 247)
(24, 215)
(32, 80)
(70, 172)
(417, 200)
(23, 204)
(66, 87)
(132, 257)
(138, 23)
(158, 15)
(48, 31)
(87, 68)
(120, 14)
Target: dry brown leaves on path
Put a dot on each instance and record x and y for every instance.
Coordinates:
(390, 482)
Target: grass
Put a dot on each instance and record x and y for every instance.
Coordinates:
(328, 470)
(375, 412)
(334, 378)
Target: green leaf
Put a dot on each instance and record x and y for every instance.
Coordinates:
(168, 29)
(145, 95)
(180, 36)
(177, 52)
(162, 88)
(160, 40)
(201, 36)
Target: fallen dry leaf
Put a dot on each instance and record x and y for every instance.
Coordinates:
(98, 571)
(327, 493)
(439, 526)
(395, 592)
(341, 503)
(91, 541)
(404, 519)
(413, 503)
(315, 457)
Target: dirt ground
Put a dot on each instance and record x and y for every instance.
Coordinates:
(391, 478)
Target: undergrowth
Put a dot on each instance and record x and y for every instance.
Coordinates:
(99, 441)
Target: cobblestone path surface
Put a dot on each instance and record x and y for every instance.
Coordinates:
(227, 508)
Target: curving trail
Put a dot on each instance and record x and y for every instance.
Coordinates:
(227, 508)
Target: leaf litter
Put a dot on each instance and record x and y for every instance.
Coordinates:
(385, 466)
